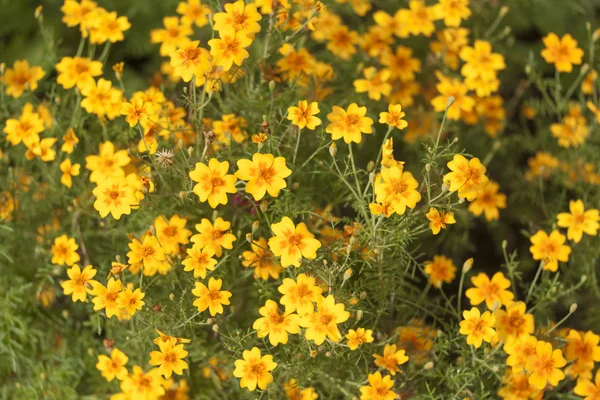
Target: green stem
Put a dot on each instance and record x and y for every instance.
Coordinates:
(535, 279)
(297, 145)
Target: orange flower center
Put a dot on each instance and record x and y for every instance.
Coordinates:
(266, 173)
(352, 120)
(192, 54)
(217, 182)
(80, 280)
(170, 231)
(216, 234)
(257, 369)
(295, 240)
(214, 295)
(276, 319)
(170, 358)
(148, 251)
(326, 319)
(113, 194)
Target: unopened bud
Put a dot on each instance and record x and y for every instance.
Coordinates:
(182, 195)
(152, 230)
(271, 85)
(38, 12)
(495, 306)
(328, 354)
(372, 177)
(504, 244)
(172, 296)
(573, 308)
(427, 167)
(428, 365)
(295, 185)
(503, 11)
(2, 67)
(264, 206)
(180, 144)
(215, 328)
(583, 278)
(333, 149)
(249, 237)
(584, 69)
(255, 225)
(363, 295)
(190, 151)
(528, 69)
(467, 265)
(450, 102)
(445, 187)
(359, 315)
(370, 166)
(348, 274)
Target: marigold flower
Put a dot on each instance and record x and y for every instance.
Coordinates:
(77, 71)
(265, 174)
(480, 61)
(401, 64)
(514, 322)
(108, 27)
(77, 13)
(562, 52)
(169, 359)
(131, 300)
(173, 36)
(140, 385)
(193, 12)
(393, 117)
(42, 149)
(254, 369)
(544, 365)
(299, 295)
(477, 326)
(579, 221)
(191, 61)
(213, 182)
(493, 291)
(215, 237)
(26, 129)
(386, 209)
(200, 261)
(211, 297)
(171, 233)
(136, 111)
(397, 187)
(303, 116)
(420, 19)
(582, 346)
(229, 48)
(357, 337)
(276, 325)
(70, 139)
(78, 282)
(549, 249)
(453, 11)
(22, 77)
(441, 269)
(519, 349)
(162, 338)
(69, 170)
(113, 367)
(114, 196)
(238, 16)
(262, 260)
(375, 83)
(64, 251)
(106, 297)
(102, 99)
(587, 389)
(150, 253)
(342, 41)
(488, 202)
(572, 132)
(467, 177)
(292, 242)
(378, 388)
(452, 87)
(439, 219)
(349, 124)
(391, 358)
(323, 323)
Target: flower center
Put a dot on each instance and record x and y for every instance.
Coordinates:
(216, 234)
(147, 251)
(170, 231)
(352, 120)
(217, 182)
(113, 194)
(266, 173)
(295, 240)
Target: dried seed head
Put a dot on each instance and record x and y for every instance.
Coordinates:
(164, 158)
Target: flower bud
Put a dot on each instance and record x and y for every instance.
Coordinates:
(38, 12)
(573, 308)
(255, 225)
(504, 10)
(450, 102)
(467, 265)
(333, 149)
(172, 296)
(152, 230)
(372, 177)
(264, 206)
(271, 85)
(504, 244)
(348, 274)
(295, 185)
(215, 328)
(190, 151)
(428, 365)
(328, 354)
(249, 237)
(363, 295)
(370, 166)
(157, 308)
(359, 315)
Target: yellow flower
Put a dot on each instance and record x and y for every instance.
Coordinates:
(519, 349)
(169, 359)
(453, 11)
(401, 64)
(171, 233)
(303, 116)
(211, 297)
(488, 201)
(162, 338)
(172, 37)
(582, 347)
(375, 83)
(291, 242)
(587, 389)
(131, 300)
(213, 182)
(342, 41)
(392, 25)
(467, 177)
(494, 292)
(199, 260)
(579, 221)
(514, 322)
(114, 196)
(587, 86)
(21, 77)
(254, 369)
(393, 117)
(191, 61)
(150, 253)
(70, 139)
(477, 326)
(113, 367)
(549, 249)
(193, 12)
(265, 174)
(106, 297)
(391, 358)
(349, 124)
(358, 337)
(276, 325)
(378, 388)
(572, 132)
(78, 13)
(262, 260)
(544, 365)
(77, 71)
(480, 61)
(26, 129)
(102, 99)
(138, 385)
(420, 19)
(68, 171)
(441, 269)
(439, 220)
(64, 251)
(323, 323)
(563, 52)
(136, 111)
(238, 16)
(448, 87)
(229, 48)
(215, 237)
(42, 149)
(299, 295)
(108, 27)
(397, 187)
(78, 279)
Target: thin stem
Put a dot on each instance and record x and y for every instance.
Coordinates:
(535, 279)
(387, 134)
(297, 145)
(80, 47)
(354, 169)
